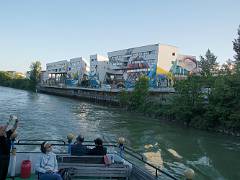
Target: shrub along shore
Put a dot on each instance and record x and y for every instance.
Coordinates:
(8, 80)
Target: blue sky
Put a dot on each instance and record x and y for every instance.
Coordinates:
(52, 30)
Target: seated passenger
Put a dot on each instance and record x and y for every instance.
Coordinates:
(99, 149)
(78, 149)
(47, 166)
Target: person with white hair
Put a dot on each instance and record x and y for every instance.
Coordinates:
(6, 137)
(47, 165)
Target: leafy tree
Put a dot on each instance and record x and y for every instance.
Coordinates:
(208, 64)
(124, 98)
(35, 72)
(7, 79)
(236, 48)
(189, 99)
(140, 93)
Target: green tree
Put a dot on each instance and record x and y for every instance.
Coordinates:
(5, 78)
(236, 48)
(15, 81)
(208, 64)
(140, 93)
(35, 72)
(124, 98)
(188, 102)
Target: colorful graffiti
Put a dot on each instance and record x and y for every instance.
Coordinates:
(136, 68)
(158, 77)
(184, 65)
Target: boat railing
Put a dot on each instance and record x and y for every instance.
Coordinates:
(26, 141)
(114, 144)
(157, 170)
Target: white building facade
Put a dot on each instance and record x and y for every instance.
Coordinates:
(44, 76)
(62, 70)
(129, 64)
(77, 67)
(59, 67)
(57, 71)
(99, 65)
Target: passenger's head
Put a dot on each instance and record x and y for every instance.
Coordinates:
(46, 147)
(80, 139)
(98, 142)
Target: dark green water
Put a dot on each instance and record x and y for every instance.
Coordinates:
(212, 156)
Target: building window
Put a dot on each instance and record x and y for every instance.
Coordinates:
(173, 54)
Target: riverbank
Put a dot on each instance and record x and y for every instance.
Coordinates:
(158, 115)
(206, 103)
(160, 105)
(17, 82)
(103, 96)
(23, 84)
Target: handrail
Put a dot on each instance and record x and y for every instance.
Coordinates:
(36, 140)
(130, 149)
(57, 144)
(156, 168)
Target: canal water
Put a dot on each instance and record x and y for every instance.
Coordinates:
(211, 155)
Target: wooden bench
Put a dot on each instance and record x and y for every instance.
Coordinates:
(93, 166)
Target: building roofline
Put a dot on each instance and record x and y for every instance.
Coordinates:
(159, 44)
(58, 61)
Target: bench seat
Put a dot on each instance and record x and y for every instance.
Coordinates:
(93, 166)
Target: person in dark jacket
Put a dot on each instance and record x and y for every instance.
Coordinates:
(78, 149)
(5, 147)
(98, 149)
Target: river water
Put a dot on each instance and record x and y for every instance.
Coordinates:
(212, 156)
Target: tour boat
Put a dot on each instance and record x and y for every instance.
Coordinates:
(121, 164)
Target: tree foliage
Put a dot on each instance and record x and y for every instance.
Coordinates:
(207, 101)
(208, 64)
(189, 99)
(35, 72)
(140, 93)
(15, 81)
(236, 48)
(136, 99)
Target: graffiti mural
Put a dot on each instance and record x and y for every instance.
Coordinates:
(141, 67)
(136, 67)
(184, 65)
(187, 62)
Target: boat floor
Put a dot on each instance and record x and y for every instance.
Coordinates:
(33, 177)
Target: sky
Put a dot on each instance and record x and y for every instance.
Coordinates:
(53, 30)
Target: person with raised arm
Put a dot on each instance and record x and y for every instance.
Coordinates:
(6, 137)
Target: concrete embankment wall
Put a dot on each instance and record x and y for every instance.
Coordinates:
(95, 95)
(100, 95)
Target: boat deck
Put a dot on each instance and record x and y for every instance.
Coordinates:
(34, 177)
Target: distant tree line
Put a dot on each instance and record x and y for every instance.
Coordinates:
(15, 81)
(209, 100)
